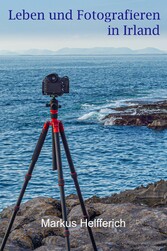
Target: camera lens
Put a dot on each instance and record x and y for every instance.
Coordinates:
(53, 78)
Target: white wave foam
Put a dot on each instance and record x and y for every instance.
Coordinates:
(127, 102)
(86, 105)
(105, 110)
(111, 104)
(109, 122)
(98, 112)
(86, 116)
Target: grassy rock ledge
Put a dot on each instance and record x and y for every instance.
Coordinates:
(144, 210)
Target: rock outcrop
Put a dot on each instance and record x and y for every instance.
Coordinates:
(138, 221)
(153, 115)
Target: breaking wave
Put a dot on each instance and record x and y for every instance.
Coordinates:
(98, 112)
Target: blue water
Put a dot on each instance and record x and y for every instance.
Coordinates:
(108, 159)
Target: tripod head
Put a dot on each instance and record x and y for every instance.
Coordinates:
(54, 104)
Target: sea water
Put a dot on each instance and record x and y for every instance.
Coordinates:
(108, 158)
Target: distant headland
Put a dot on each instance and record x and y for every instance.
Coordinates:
(85, 51)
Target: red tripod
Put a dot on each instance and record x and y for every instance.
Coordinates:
(57, 128)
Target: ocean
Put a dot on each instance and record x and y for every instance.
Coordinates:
(108, 158)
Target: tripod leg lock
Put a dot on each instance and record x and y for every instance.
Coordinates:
(74, 175)
(66, 233)
(28, 176)
(61, 182)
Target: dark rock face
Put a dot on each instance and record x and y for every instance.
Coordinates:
(143, 212)
(153, 115)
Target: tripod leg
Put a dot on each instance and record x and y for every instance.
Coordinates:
(53, 152)
(74, 176)
(61, 181)
(27, 178)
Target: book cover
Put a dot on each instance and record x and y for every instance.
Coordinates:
(83, 125)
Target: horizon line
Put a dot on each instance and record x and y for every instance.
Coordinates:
(94, 47)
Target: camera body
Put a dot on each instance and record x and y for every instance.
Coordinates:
(54, 85)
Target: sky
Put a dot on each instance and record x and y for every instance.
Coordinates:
(56, 34)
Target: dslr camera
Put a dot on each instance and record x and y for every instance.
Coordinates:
(54, 85)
